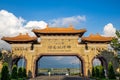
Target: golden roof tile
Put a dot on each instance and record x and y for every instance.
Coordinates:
(20, 38)
(51, 30)
(96, 38)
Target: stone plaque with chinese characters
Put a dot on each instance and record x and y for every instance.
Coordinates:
(59, 44)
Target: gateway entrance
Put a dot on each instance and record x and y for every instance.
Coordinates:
(57, 41)
(59, 65)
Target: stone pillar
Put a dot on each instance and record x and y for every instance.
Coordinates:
(84, 64)
(87, 66)
(86, 69)
(29, 66)
(33, 65)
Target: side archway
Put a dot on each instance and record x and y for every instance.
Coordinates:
(19, 61)
(100, 60)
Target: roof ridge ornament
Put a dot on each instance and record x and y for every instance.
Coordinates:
(27, 34)
(47, 26)
(20, 33)
(71, 26)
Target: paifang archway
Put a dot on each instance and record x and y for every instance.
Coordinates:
(60, 41)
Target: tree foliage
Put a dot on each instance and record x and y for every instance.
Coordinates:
(101, 72)
(14, 74)
(24, 73)
(111, 73)
(0, 55)
(115, 42)
(20, 72)
(93, 71)
(97, 71)
(5, 72)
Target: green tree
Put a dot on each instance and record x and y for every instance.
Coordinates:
(101, 72)
(93, 71)
(111, 73)
(6, 56)
(20, 73)
(14, 74)
(0, 55)
(96, 71)
(24, 73)
(115, 42)
(5, 72)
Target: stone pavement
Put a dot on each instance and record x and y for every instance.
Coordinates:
(59, 78)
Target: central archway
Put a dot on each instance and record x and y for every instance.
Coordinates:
(69, 70)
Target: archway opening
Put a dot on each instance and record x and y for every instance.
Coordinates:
(96, 62)
(99, 60)
(20, 62)
(59, 65)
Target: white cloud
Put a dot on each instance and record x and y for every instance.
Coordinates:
(10, 25)
(75, 61)
(109, 30)
(58, 57)
(36, 24)
(74, 20)
(68, 59)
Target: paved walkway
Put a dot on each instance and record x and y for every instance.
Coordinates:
(59, 78)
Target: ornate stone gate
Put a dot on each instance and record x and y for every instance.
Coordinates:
(61, 42)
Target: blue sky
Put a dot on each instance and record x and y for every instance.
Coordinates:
(93, 15)
(98, 13)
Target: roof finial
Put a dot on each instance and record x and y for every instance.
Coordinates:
(26, 33)
(71, 26)
(47, 26)
(20, 33)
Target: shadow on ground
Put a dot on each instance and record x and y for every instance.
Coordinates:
(60, 78)
(75, 78)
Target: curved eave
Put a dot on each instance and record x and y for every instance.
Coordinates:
(58, 31)
(19, 41)
(96, 41)
(38, 33)
(30, 41)
(96, 38)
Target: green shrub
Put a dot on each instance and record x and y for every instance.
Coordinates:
(24, 73)
(97, 71)
(21, 79)
(5, 72)
(111, 73)
(93, 71)
(14, 74)
(101, 72)
(14, 79)
(20, 73)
